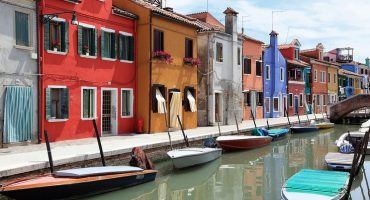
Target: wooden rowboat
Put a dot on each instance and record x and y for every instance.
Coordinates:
(325, 125)
(242, 142)
(303, 129)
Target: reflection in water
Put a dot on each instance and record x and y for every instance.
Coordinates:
(256, 174)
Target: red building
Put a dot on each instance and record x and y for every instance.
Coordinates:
(88, 68)
(297, 100)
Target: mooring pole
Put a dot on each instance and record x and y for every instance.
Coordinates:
(268, 125)
(183, 132)
(218, 124)
(254, 120)
(286, 112)
(49, 151)
(299, 120)
(236, 122)
(99, 142)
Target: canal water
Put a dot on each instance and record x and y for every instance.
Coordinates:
(256, 174)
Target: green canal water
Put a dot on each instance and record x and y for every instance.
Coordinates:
(256, 174)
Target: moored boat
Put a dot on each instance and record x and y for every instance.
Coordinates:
(325, 125)
(242, 142)
(188, 157)
(303, 129)
(339, 161)
(275, 133)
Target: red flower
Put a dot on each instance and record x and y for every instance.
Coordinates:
(192, 61)
(163, 56)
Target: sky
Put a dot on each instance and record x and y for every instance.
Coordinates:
(334, 23)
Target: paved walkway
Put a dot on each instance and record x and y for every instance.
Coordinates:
(21, 159)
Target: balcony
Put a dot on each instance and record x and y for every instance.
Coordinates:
(344, 55)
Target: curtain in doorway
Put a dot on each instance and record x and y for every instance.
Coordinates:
(175, 109)
(18, 114)
(161, 101)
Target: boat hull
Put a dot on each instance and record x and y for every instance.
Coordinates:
(325, 125)
(303, 129)
(205, 155)
(49, 187)
(243, 143)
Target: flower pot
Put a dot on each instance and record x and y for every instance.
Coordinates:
(87, 54)
(55, 49)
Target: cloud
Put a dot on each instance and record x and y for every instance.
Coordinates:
(335, 23)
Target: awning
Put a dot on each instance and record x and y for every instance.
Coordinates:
(192, 103)
(161, 101)
(175, 109)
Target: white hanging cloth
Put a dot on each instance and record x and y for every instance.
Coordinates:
(193, 105)
(160, 101)
(175, 109)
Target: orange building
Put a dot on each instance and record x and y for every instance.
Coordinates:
(167, 66)
(252, 78)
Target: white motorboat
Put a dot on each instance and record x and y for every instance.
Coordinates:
(188, 157)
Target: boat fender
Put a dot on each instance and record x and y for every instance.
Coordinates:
(210, 143)
(346, 148)
(140, 159)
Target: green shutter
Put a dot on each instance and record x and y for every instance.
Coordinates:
(85, 103)
(66, 36)
(96, 42)
(47, 35)
(48, 103)
(131, 49)
(115, 46)
(120, 46)
(79, 37)
(102, 42)
(65, 103)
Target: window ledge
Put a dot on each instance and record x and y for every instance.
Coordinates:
(131, 116)
(56, 52)
(126, 61)
(57, 120)
(74, 2)
(86, 119)
(91, 57)
(109, 59)
(23, 47)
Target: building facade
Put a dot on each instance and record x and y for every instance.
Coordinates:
(252, 78)
(297, 101)
(274, 80)
(220, 73)
(333, 86)
(167, 66)
(88, 67)
(19, 72)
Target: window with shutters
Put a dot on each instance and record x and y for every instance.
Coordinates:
(247, 98)
(158, 40)
(108, 44)
(258, 68)
(88, 102)
(126, 47)
(56, 36)
(87, 40)
(259, 98)
(247, 66)
(127, 102)
(187, 102)
(219, 52)
(267, 104)
(57, 103)
(290, 100)
(156, 97)
(188, 48)
(300, 100)
(22, 27)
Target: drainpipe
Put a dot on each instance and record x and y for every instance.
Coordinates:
(39, 71)
(150, 68)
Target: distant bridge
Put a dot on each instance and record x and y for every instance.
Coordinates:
(345, 107)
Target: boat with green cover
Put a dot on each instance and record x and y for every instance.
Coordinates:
(275, 133)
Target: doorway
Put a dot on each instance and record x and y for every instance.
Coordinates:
(253, 102)
(109, 111)
(296, 105)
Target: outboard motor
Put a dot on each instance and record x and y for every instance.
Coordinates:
(139, 159)
(210, 143)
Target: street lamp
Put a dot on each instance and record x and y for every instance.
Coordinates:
(48, 17)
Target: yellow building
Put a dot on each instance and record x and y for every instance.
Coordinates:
(333, 83)
(164, 39)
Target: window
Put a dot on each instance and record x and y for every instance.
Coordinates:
(329, 77)
(247, 66)
(267, 72)
(259, 98)
(22, 34)
(127, 102)
(239, 56)
(290, 100)
(247, 98)
(126, 47)
(158, 98)
(258, 68)
(219, 52)
(88, 96)
(56, 35)
(188, 48)
(300, 100)
(87, 40)
(296, 54)
(57, 103)
(108, 45)
(315, 76)
(276, 104)
(158, 40)
(322, 77)
(281, 74)
(267, 105)
(189, 99)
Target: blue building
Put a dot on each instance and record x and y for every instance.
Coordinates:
(307, 89)
(274, 79)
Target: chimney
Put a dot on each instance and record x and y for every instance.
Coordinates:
(274, 39)
(231, 17)
(367, 60)
(169, 9)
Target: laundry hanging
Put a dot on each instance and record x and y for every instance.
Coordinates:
(192, 103)
(161, 101)
(175, 109)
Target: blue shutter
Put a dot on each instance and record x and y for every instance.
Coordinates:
(65, 103)
(48, 103)
(102, 44)
(18, 114)
(79, 38)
